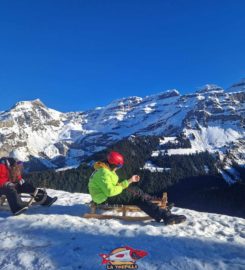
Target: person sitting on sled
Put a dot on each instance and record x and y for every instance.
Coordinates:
(103, 184)
(12, 184)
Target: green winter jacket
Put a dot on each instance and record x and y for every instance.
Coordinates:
(103, 183)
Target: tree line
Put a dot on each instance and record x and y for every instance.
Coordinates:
(192, 181)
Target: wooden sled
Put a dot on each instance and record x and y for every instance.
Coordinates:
(28, 198)
(123, 210)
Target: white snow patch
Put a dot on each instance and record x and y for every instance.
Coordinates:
(156, 153)
(168, 139)
(178, 151)
(218, 136)
(199, 97)
(148, 110)
(51, 151)
(153, 168)
(66, 168)
(182, 151)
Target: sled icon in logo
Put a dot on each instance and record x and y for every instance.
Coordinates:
(123, 258)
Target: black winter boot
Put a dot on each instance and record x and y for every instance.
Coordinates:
(174, 219)
(162, 214)
(49, 201)
(43, 198)
(152, 209)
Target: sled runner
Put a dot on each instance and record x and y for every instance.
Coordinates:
(123, 210)
(28, 198)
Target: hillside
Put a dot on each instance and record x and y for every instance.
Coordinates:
(192, 181)
(58, 238)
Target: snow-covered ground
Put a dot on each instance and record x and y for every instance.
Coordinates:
(58, 238)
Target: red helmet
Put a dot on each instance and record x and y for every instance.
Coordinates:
(115, 158)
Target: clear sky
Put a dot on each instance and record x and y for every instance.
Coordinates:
(79, 54)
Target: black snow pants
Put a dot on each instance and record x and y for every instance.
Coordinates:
(142, 200)
(12, 193)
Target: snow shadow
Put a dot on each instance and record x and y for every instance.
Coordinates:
(75, 247)
(72, 210)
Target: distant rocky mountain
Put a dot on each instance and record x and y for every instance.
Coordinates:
(211, 119)
(237, 87)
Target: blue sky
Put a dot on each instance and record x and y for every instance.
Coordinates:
(75, 55)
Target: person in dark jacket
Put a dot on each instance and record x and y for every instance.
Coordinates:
(103, 186)
(12, 184)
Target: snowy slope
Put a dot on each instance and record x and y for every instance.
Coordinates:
(58, 238)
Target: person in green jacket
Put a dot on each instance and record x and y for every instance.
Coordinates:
(104, 184)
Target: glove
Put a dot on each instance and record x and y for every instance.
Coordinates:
(21, 181)
(9, 185)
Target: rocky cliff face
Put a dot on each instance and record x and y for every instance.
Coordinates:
(211, 118)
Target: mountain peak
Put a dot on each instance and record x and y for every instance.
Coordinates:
(38, 102)
(29, 104)
(210, 88)
(171, 92)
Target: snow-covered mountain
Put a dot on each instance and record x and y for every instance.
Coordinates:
(237, 87)
(211, 118)
(59, 238)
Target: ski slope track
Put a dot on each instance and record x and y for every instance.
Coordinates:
(58, 238)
